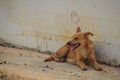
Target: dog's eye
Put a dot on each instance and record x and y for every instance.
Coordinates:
(76, 38)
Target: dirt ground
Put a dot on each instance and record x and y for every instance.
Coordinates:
(18, 64)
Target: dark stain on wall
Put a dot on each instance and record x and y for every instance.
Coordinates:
(75, 17)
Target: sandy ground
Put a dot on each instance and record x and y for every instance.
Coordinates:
(28, 65)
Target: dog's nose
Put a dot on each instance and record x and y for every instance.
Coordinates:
(79, 44)
(69, 43)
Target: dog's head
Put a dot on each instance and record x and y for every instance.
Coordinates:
(79, 38)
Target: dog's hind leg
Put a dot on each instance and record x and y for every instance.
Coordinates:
(49, 59)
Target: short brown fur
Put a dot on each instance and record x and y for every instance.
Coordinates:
(84, 52)
(78, 56)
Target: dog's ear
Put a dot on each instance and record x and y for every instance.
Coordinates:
(87, 34)
(78, 30)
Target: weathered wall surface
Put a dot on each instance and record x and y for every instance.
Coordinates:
(48, 24)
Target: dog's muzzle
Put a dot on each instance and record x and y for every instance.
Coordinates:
(73, 46)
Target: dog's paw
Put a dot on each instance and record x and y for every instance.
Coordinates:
(99, 69)
(84, 68)
(45, 60)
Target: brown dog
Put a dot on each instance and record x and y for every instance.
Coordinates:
(84, 52)
(61, 53)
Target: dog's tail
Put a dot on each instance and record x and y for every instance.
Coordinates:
(49, 59)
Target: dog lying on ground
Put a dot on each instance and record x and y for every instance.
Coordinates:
(61, 54)
(85, 52)
(77, 51)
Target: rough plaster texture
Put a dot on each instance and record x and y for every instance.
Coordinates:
(48, 24)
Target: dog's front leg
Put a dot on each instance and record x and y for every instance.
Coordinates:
(93, 61)
(80, 62)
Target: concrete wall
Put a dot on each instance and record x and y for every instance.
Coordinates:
(48, 24)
